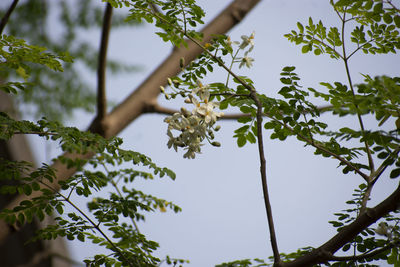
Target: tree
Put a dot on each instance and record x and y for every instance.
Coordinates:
(293, 114)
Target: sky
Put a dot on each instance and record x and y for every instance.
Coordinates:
(223, 217)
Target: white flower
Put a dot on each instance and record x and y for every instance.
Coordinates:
(248, 61)
(195, 102)
(247, 40)
(174, 121)
(229, 42)
(207, 111)
(202, 90)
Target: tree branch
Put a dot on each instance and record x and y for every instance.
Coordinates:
(349, 232)
(154, 107)
(102, 64)
(267, 202)
(6, 16)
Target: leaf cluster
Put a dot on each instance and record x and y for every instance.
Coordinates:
(54, 94)
(175, 18)
(128, 246)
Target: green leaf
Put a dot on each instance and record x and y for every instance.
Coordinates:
(301, 27)
(246, 109)
(21, 218)
(395, 173)
(289, 68)
(305, 49)
(27, 189)
(346, 247)
(241, 141)
(60, 209)
(244, 119)
(387, 18)
(251, 138)
(396, 20)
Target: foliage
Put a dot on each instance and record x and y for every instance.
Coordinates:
(369, 153)
(129, 247)
(57, 95)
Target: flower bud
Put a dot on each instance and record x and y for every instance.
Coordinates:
(170, 82)
(217, 128)
(182, 62)
(162, 89)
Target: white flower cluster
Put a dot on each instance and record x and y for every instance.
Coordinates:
(195, 126)
(247, 41)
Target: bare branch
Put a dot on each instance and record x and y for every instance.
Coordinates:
(102, 64)
(6, 16)
(267, 202)
(154, 107)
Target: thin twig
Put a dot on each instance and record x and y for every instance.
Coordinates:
(360, 47)
(346, 63)
(102, 64)
(6, 16)
(381, 168)
(323, 149)
(267, 202)
(114, 184)
(96, 226)
(184, 17)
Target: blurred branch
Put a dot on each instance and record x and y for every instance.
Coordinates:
(48, 254)
(102, 64)
(6, 16)
(154, 107)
